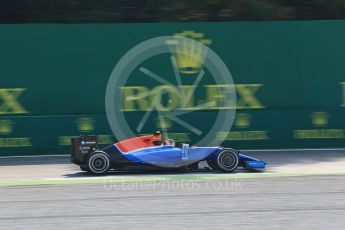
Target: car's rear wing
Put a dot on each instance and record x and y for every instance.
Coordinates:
(81, 148)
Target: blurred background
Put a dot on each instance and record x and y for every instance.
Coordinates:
(287, 61)
(285, 57)
(83, 11)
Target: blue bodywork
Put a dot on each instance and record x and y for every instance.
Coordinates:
(252, 163)
(170, 156)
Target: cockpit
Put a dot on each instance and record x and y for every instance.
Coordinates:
(143, 142)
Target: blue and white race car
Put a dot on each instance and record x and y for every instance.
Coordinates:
(152, 151)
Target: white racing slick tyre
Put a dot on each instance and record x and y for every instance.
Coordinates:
(228, 160)
(98, 163)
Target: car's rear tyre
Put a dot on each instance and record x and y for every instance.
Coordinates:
(228, 160)
(98, 163)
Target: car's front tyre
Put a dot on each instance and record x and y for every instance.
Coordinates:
(227, 160)
(98, 163)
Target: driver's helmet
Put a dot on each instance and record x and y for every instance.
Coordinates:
(170, 142)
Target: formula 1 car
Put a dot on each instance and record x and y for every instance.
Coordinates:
(153, 151)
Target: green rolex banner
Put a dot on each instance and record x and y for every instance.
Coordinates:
(255, 85)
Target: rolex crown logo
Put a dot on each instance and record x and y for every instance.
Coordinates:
(189, 55)
(86, 124)
(242, 120)
(319, 118)
(6, 127)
